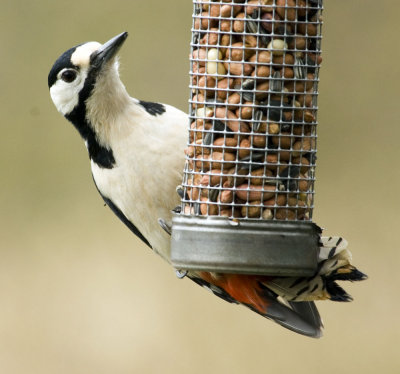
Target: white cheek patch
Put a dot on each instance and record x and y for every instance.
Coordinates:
(65, 96)
(81, 56)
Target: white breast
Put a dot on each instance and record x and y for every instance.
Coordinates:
(149, 162)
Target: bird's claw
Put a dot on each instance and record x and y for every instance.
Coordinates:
(165, 226)
(181, 273)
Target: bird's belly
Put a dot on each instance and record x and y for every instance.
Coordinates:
(141, 200)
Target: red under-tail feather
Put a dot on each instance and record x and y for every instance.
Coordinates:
(245, 289)
(249, 290)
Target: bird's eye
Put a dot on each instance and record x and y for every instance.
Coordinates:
(68, 76)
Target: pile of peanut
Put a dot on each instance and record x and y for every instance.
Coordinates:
(254, 72)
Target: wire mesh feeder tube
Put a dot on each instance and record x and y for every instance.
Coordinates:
(252, 138)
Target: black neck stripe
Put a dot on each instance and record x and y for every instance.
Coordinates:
(101, 155)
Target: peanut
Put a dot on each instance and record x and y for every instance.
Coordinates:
(279, 200)
(233, 100)
(284, 140)
(226, 196)
(238, 68)
(286, 12)
(285, 214)
(259, 141)
(207, 85)
(235, 180)
(210, 38)
(261, 71)
(225, 143)
(261, 57)
(251, 192)
(267, 214)
(231, 120)
(250, 41)
(259, 173)
(252, 211)
(213, 178)
(223, 86)
(208, 209)
(238, 24)
(204, 23)
(246, 111)
(221, 160)
(244, 148)
(201, 55)
(277, 47)
(238, 52)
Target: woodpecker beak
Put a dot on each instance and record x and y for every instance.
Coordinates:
(107, 51)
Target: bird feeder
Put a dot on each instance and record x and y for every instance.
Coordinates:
(248, 182)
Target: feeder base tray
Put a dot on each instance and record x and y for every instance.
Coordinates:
(218, 244)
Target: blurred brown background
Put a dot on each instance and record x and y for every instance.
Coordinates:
(80, 294)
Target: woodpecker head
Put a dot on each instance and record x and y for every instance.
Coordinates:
(77, 71)
(85, 87)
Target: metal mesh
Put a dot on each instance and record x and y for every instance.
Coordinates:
(253, 109)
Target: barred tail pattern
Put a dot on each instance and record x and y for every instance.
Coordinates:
(334, 265)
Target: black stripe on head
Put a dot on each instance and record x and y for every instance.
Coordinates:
(101, 155)
(152, 108)
(64, 61)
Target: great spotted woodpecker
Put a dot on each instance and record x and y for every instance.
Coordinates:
(136, 151)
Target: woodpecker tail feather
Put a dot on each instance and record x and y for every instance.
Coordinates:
(334, 265)
(302, 318)
(289, 301)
